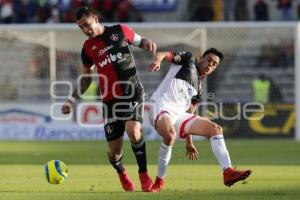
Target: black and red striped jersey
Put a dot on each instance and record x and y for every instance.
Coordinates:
(111, 54)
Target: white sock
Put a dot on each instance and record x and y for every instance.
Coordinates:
(164, 157)
(221, 153)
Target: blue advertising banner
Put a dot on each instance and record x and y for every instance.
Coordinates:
(155, 5)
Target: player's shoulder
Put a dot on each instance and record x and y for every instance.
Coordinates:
(88, 42)
(183, 56)
(113, 27)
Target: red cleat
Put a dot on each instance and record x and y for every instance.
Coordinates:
(126, 182)
(158, 185)
(231, 176)
(146, 182)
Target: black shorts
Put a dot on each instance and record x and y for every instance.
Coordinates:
(117, 112)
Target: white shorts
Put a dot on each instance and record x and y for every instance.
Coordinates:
(182, 121)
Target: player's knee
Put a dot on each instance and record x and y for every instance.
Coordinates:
(134, 134)
(216, 130)
(169, 137)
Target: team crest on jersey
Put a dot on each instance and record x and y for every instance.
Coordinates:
(177, 58)
(114, 37)
(190, 91)
(108, 129)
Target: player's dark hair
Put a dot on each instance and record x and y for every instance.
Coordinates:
(214, 51)
(83, 11)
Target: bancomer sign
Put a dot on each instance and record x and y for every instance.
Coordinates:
(28, 122)
(155, 5)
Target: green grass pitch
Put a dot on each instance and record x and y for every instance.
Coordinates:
(275, 165)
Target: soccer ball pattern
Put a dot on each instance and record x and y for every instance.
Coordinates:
(56, 171)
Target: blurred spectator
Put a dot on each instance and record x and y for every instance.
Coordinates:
(20, 11)
(275, 56)
(6, 11)
(57, 11)
(108, 8)
(261, 11)
(54, 15)
(124, 8)
(218, 10)
(285, 9)
(261, 89)
(201, 11)
(31, 9)
(240, 11)
(265, 90)
(228, 9)
(127, 12)
(275, 95)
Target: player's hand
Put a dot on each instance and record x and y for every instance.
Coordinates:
(191, 152)
(150, 46)
(67, 107)
(154, 66)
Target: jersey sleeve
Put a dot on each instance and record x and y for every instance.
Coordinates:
(180, 57)
(130, 36)
(86, 61)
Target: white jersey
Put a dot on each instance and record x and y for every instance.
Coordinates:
(174, 94)
(173, 97)
(181, 85)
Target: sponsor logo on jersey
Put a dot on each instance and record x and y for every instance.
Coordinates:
(114, 37)
(112, 58)
(102, 51)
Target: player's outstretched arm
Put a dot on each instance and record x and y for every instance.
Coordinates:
(158, 58)
(148, 45)
(85, 82)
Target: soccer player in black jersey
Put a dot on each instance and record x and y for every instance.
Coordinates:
(107, 47)
(172, 105)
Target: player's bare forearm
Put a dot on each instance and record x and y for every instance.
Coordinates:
(84, 85)
(158, 58)
(189, 139)
(191, 150)
(148, 45)
(85, 82)
(163, 56)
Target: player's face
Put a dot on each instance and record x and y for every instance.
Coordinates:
(209, 63)
(89, 25)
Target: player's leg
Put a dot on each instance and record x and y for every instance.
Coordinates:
(114, 135)
(166, 129)
(204, 127)
(138, 145)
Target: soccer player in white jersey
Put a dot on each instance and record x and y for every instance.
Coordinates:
(179, 92)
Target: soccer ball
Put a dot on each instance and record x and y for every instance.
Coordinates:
(56, 171)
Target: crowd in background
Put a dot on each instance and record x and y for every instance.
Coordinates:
(238, 10)
(62, 11)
